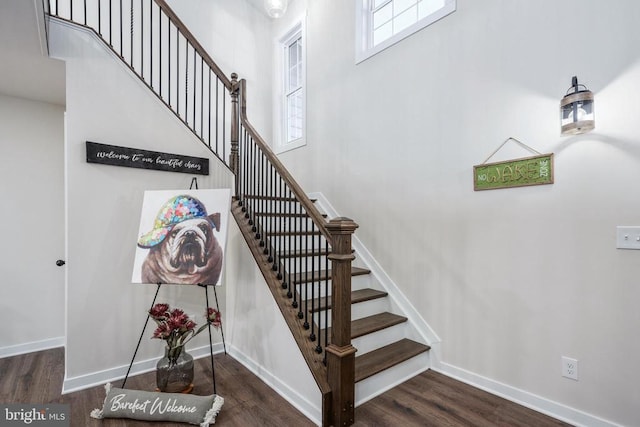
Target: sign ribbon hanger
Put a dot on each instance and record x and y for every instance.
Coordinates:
(522, 144)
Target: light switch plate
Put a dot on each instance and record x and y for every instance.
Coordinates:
(627, 237)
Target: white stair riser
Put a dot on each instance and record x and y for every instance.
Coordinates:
(361, 309)
(377, 384)
(320, 290)
(375, 340)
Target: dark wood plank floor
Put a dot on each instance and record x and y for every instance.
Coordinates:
(431, 399)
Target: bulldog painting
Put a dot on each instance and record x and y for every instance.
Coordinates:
(182, 244)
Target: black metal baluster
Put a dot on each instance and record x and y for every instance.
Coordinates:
(110, 21)
(224, 134)
(195, 85)
(160, 52)
(131, 41)
(294, 283)
(326, 298)
(312, 337)
(264, 186)
(186, 80)
(141, 41)
(121, 28)
(217, 108)
(281, 238)
(259, 193)
(209, 115)
(201, 97)
(177, 70)
(254, 171)
(169, 59)
(301, 314)
(251, 170)
(151, 44)
(267, 217)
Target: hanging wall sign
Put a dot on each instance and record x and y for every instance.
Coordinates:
(536, 170)
(144, 159)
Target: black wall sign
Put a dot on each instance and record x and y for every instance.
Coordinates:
(144, 159)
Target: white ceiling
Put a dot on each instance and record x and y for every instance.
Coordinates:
(25, 69)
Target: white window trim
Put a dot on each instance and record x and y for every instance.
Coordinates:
(279, 102)
(364, 33)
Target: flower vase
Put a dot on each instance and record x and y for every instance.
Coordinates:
(174, 371)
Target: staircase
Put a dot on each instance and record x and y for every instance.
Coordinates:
(377, 331)
(352, 335)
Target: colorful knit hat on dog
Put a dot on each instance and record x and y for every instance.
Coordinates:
(177, 209)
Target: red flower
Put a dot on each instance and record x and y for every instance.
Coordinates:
(159, 310)
(162, 331)
(213, 317)
(175, 326)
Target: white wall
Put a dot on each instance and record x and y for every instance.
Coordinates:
(511, 280)
(106, 104)
(105, 314)
(32, 225)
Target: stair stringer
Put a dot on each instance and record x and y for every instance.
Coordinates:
(415, 328)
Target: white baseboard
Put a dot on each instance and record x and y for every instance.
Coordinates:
(532, 401)
(311, 411)
(93, 379)
(30, 347)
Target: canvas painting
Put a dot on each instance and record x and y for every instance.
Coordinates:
(182, 237)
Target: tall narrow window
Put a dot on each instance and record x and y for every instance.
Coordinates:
(293, 95)
(382, 23)
(290, 89)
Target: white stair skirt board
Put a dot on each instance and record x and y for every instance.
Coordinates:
(377, 384)
(93, 379)
(30, 347)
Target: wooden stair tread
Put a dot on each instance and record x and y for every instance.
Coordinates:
(276, 198)
(285, 215)
(371, 324)
(295, 233)
(385, 357)
(317, 276)
(360, 295)
(305, 253)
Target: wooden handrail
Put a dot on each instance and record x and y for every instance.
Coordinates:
(194, 42)
(302, 197)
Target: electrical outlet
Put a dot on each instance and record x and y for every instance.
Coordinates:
(569, 368)
(627, 237)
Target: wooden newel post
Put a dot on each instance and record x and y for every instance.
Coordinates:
(340, 353)
(235, 130)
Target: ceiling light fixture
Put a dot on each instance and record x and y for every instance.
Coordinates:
(275, 8)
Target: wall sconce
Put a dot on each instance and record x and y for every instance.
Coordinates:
(275, 8)
(576, 110)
